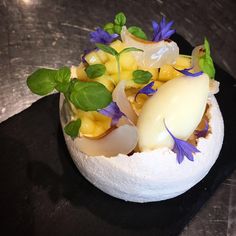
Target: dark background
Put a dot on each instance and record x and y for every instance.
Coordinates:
(52, 33)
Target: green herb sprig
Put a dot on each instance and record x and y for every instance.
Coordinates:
(87, 96)
(205, 62)
(116, 54)
(95, 70)
(141, 76)
(119, 21)
(72, 128)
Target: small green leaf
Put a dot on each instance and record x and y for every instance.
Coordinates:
(138, 32)
(206, 63)
(130, 49)
(72, 128)
(90, 96)
(107, 49)
(117, 29)
(120, 19)
(207, 46)
(96, 70)
(63, 75)
(62, 87)
(42, 81)
(141, 76)
(109, 27)
(207, 66)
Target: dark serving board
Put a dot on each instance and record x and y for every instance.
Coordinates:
(42, 192)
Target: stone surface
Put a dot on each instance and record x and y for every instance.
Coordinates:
(52, 33)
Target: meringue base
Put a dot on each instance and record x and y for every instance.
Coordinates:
(153, 175)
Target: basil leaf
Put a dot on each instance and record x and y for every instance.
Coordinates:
(117, 29)
(62, 87)
(72, 128)
(107, 49)
(138, 32)
(96, 70)
(90, 96)
(130, 49)
(42, 81)
(141, 76)
(63, 75)
(120, 19)
(109, 27)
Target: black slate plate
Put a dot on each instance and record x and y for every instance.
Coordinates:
(42, 192)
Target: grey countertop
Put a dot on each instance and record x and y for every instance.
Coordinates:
(52, 33)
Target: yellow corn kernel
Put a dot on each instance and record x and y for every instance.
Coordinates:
(183, 62)
(131, 84)
(117, 45)
(111, 67)
(124, 75)
(93, 123)
(81, 74)
(87, 126)
(166, 73)
(177, 73)
(128, 62)
(107, 81)
(102, 56)
(93, 58)
(98, 117)
(157, 84)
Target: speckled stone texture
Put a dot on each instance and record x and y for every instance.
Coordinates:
(52, 33)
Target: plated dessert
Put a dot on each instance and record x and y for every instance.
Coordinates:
(141, 121)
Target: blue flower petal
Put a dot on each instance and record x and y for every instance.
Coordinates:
(182, 148)
(148, 90)
(112, 111)
(203, 132)
(101, 36)
(187, 73)
(162, 31)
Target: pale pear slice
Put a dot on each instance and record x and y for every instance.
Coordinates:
(196, 54)
(121, 140)
(155, 54)
(119, 96)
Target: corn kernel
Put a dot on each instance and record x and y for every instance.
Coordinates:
(127, 62)
(124, 75)
(107, 81)
(81, 74)
(111, 67)
(93, 58)
(183, 62)
(166, 73)
(102, 56)
(157, 84)
(87, 126)
(117, 45)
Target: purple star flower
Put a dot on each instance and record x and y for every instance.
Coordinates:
(162, 31)
(182, 148)
(148, 90)
(203, 132)
(113, 111)
(101, 36)
(187, 73)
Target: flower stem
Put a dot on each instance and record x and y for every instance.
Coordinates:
(118, 67)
